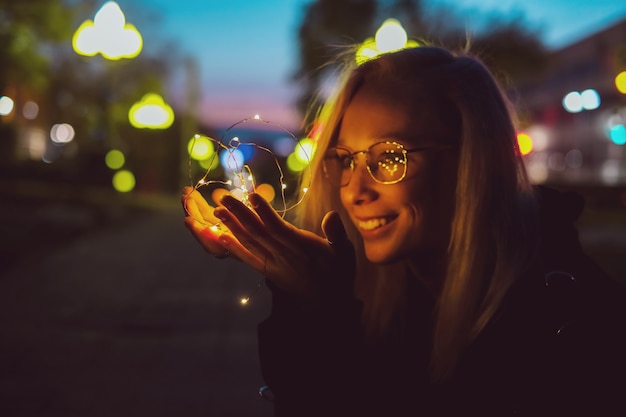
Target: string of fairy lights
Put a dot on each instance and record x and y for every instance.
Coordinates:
(243, 179)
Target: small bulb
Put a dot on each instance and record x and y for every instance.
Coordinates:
(201, 182)
(257, 117)
(229, 182)
(283, 186)
(245, 300)
(215, 228)
(305, 190)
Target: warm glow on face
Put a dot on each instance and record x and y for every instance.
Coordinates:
(525, 143)
(108, 34)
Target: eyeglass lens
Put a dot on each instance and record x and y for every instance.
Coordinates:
(386, 163)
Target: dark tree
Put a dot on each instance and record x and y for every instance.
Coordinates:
(511, 50)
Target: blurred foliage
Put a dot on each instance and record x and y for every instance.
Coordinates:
(330, 27)
(326, 26)
(24, 27)
(91, 94)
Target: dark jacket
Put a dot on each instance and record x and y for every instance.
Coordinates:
(556, 348)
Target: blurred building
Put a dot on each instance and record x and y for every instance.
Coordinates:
(575, 113)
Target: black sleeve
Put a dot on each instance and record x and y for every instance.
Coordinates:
(310, 356)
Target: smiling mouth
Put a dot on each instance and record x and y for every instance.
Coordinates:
(373, 224)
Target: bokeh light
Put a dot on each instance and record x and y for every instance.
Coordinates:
(124, 181)
(525, 143)
(6, 105)
(620, 82)
(575, 102)
(232, 159)
(115, 159)
(304, 150)
(266, 191)
(391, 36)
(108, 34)
(151, 112)
(590, 99)
(618, 134)
(200, 147)
(30, 110)
(62, 133)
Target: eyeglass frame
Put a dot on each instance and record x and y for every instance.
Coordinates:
(353, 163)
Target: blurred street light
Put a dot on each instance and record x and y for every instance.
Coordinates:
(620, 82)
(389, 37)
(575, 102)
(108, 34)
(6, 105)
(151, 112)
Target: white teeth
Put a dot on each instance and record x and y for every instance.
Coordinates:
(372, 224)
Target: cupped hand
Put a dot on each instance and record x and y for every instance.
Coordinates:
(202, 223)
(296, 261)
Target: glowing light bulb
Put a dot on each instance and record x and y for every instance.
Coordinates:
(244, 301)
(390, 36)
(305, 190)
(257, 117)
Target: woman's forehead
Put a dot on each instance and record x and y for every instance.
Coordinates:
(393, 112)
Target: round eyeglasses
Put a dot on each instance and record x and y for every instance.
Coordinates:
(386, 162)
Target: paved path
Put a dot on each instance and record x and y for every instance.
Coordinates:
(132, 321)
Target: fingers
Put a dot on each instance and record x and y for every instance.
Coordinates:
(245, 225)
(334, 230)
(207, 238)
(202, 213)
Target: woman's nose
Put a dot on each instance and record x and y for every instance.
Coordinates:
(361, 187)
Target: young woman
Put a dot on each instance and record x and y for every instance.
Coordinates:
(445, 283)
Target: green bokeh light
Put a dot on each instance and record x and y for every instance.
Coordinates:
(124, 181)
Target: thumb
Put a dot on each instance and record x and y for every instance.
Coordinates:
(334, 230)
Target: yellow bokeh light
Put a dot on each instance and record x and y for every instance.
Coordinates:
(114, 159)
(304, 150)
(295, 164)
(108, 34)
(123, 181)
(210, 163)
(620, 82)
(200, 148)
(525, 143)
(266, 191)
(391, 36)
(151, 112)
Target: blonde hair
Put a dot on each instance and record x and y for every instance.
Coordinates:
(489, 243)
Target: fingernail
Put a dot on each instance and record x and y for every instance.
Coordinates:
(226, 202)
(220, 213)
(255, 200)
